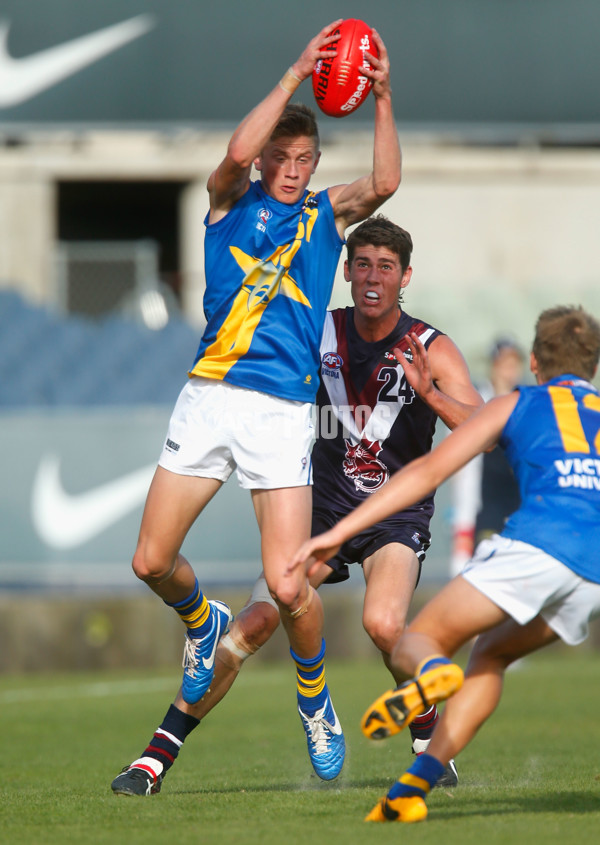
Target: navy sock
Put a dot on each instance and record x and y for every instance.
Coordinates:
(422, 726)
(170, 736)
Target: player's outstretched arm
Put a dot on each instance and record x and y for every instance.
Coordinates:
(440, 377)
(231, 178)
(415, 481)
(359, 199)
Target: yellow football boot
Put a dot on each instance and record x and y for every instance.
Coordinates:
(412, 809)
(397, 708)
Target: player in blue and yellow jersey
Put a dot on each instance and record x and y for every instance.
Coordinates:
(272, 247)
(536, 582)
(372, 420)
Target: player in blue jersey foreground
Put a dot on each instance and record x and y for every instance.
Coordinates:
(271, 251)
(537, 581)
(371, 421)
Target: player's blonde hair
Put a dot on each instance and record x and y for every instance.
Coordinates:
(567, 340)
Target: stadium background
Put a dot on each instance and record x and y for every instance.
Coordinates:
(102, 197)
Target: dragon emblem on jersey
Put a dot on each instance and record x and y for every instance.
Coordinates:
(362, 465)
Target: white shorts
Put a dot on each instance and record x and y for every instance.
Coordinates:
(526, 582)
(217, 427)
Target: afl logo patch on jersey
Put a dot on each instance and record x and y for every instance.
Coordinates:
(264, 215)
(331, 364)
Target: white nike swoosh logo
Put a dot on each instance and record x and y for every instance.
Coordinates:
(209, 661)
(63, 521)
(336, 727)
(21, 79)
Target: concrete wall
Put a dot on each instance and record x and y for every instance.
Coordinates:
(499, 233)
(42, 634)
(70, 514)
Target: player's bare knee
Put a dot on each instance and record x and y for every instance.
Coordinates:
(253, 626)
(256, 623)
(488, 655)
(139, 566)
(300, 605)
(285, 592)
(151, 569)
(384, 631)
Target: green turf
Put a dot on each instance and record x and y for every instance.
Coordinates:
(532, 775)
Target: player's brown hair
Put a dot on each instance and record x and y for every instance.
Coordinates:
(297, 119)
(567, 340)
(379, 231)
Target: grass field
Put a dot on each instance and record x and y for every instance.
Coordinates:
(532, 775)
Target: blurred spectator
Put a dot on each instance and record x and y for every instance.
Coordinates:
(485, 492)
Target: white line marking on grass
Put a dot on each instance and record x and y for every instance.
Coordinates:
(103, 689)
(93, 690)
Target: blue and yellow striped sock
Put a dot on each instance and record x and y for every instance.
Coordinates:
(310, 676)
(419, 779)
(195, 612)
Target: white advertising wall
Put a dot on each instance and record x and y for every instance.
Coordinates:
(72, 489)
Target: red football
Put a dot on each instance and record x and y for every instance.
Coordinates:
(338, 85)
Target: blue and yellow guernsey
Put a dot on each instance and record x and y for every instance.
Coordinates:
(552, 441)
(269, 273)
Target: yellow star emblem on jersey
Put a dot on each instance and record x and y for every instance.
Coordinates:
(265, 279)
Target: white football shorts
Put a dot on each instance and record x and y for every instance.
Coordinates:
(216, 428)
(526, 582)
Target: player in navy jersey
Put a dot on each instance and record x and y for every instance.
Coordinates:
(372, 418)
(271, 251)
(536, 582)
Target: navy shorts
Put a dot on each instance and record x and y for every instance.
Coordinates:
(366, 543)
